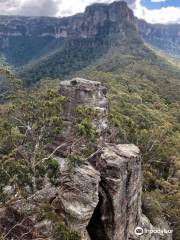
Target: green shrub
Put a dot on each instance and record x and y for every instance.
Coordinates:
(63, 233)
(151, 207)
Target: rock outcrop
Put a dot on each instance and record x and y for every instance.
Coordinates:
(100, 199)
(83, 93)
(120, 193)
(77, 196)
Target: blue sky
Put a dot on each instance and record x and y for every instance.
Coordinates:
(157, 11)
(150, 4)
(153, 11)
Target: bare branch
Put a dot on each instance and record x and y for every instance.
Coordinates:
(51, 155)
(94, 154)
(16, 225)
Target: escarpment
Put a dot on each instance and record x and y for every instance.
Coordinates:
(100, 198)
(28, 40)
(39, 37)
(85, 25)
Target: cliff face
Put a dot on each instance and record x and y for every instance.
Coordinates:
(88, 24)
(23, 39)
(100, 198)
(164, 37)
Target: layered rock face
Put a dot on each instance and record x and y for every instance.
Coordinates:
(81, 92)
(88, 24)
(165, 37)
(35, 37)
(23, 39)
(100, 198)
(120, 193)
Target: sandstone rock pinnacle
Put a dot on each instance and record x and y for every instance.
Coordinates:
(101, 198)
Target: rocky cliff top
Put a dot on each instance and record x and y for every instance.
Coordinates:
(80, 83)
(82, 92)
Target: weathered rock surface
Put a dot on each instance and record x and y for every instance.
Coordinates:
(119, 210)
(85, 93)
(77, 196)
(101, 198)
(120, 190)
(81, 92)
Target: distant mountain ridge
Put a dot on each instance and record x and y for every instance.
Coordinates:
(24, 38)
(78, 26)
(44, 47)
(164, 37)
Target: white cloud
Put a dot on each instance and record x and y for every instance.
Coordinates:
(29, 7)
(163, 15)
(69, 7)
(158, 0)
